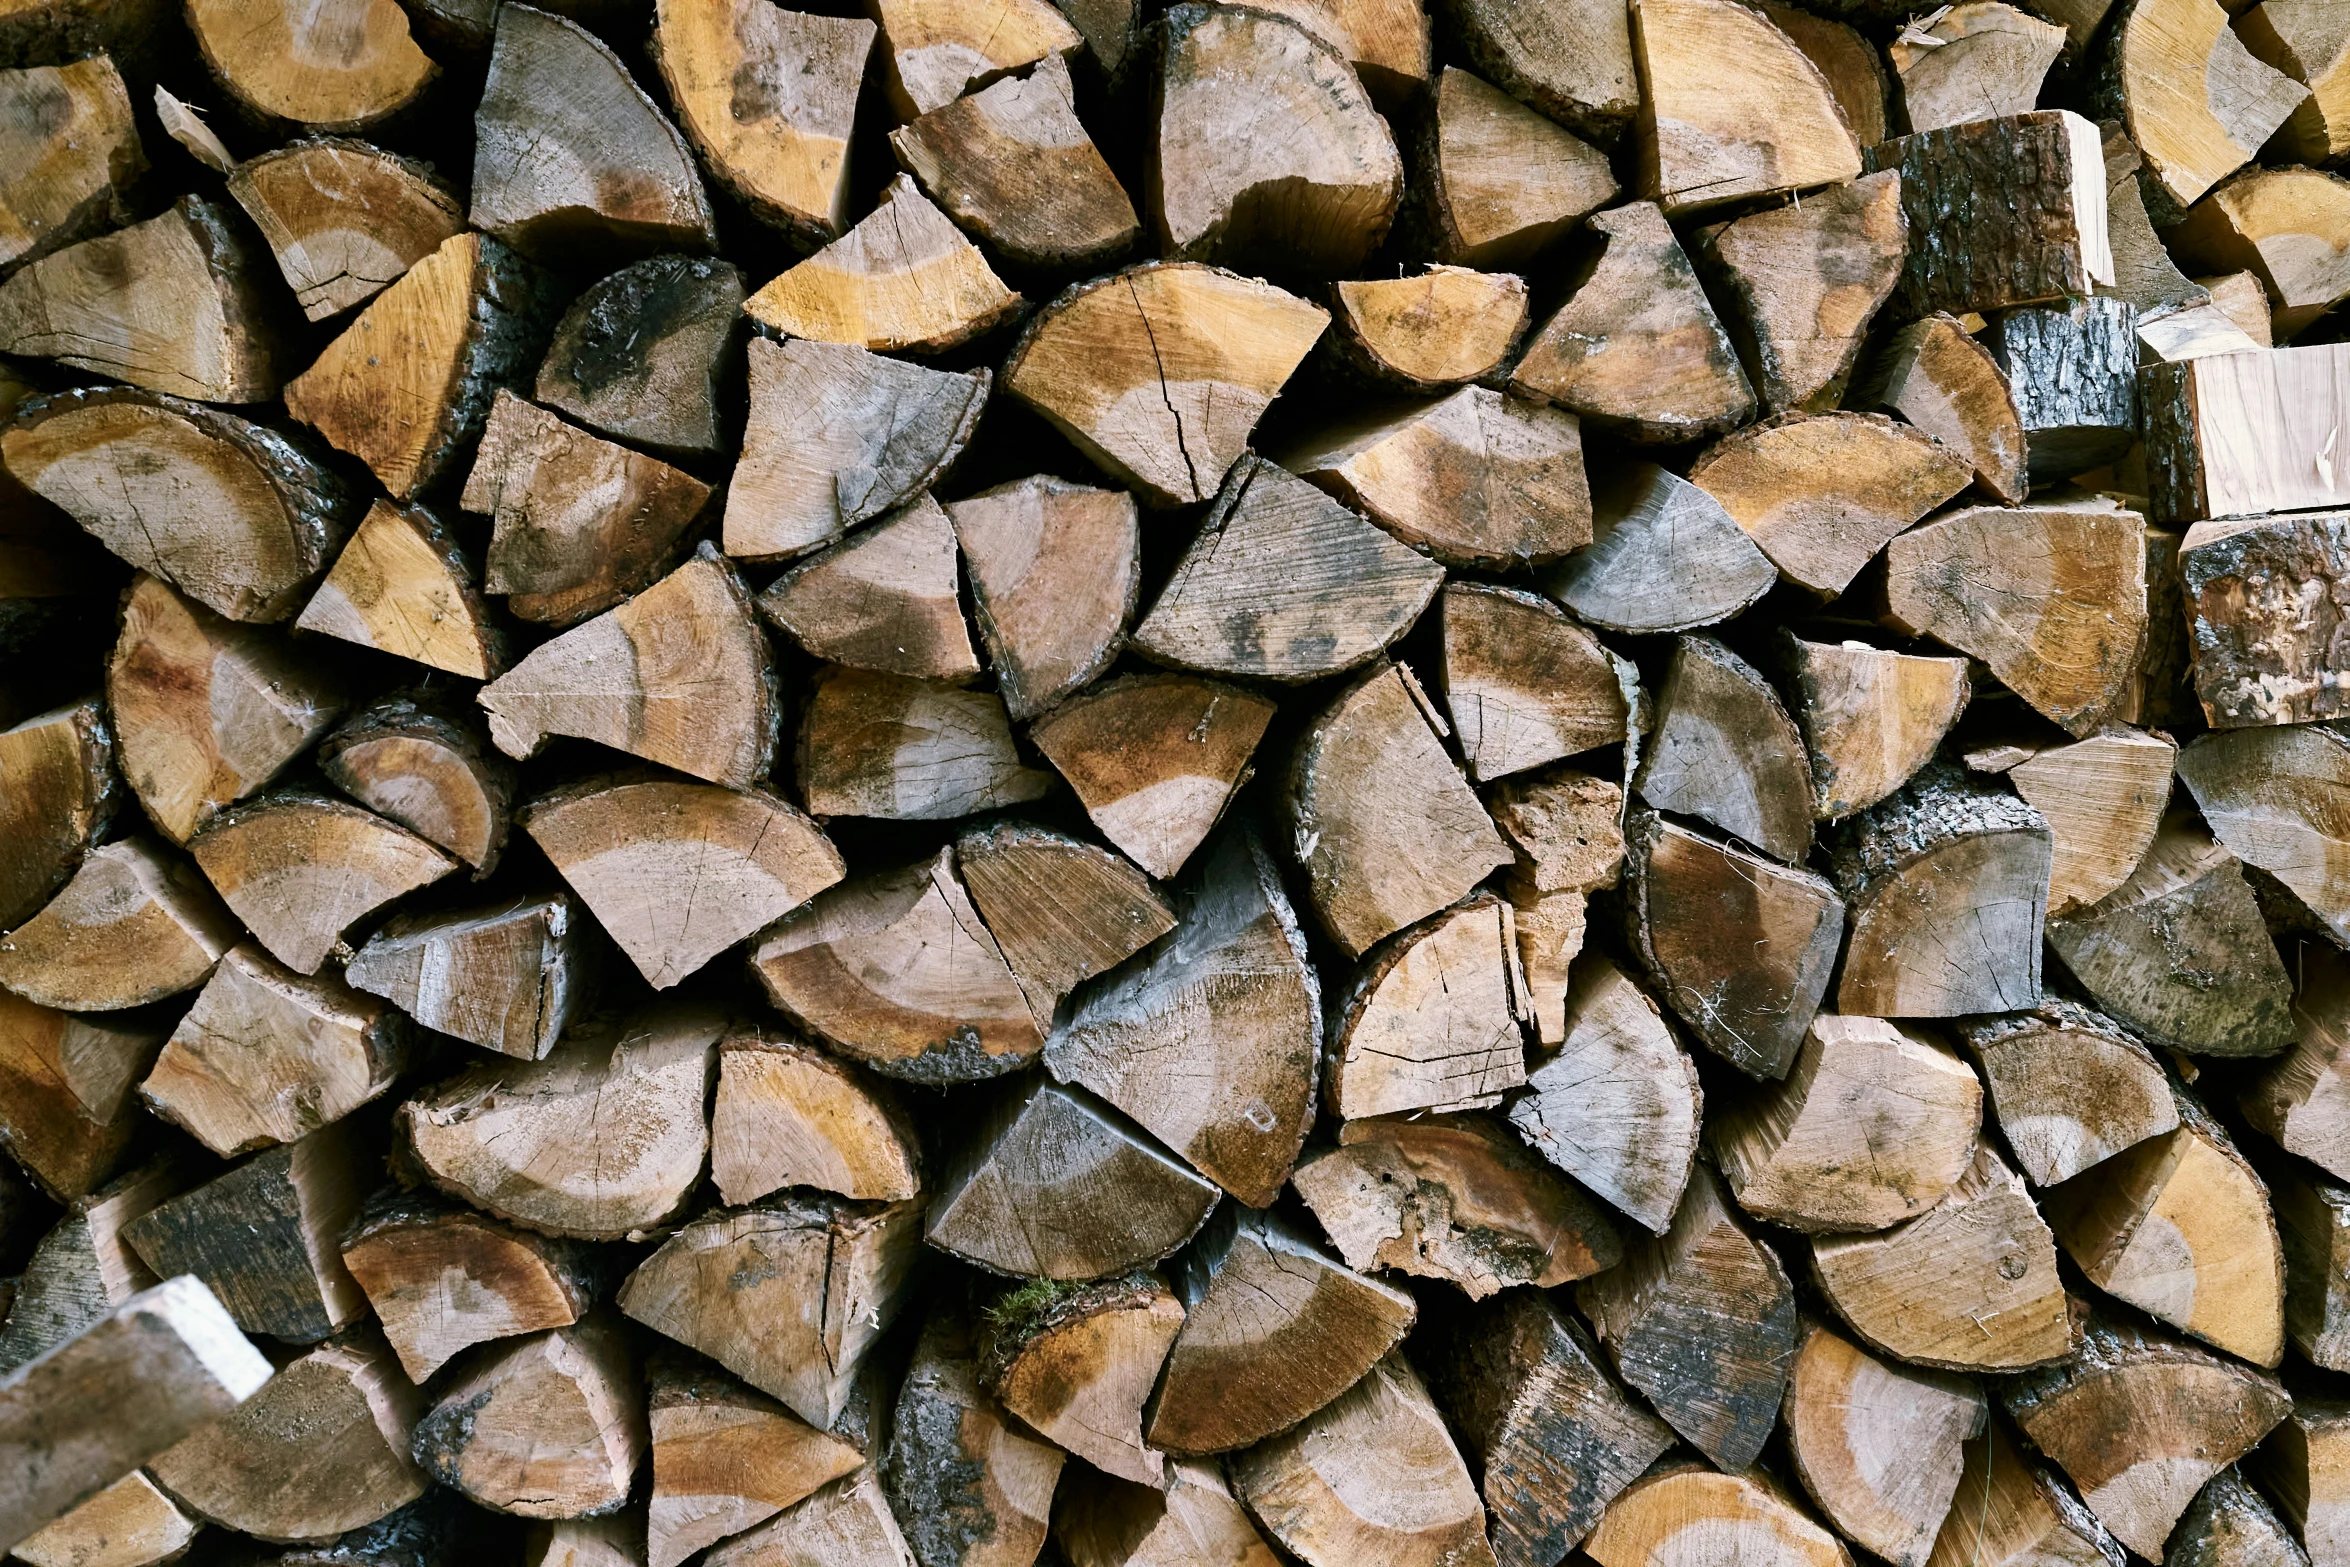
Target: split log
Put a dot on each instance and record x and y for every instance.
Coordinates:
(2313, 1226)
(266, 1056)
(1055, 568)
(507, 978)
(423, 761)
(1664, 556)
(1525, 685)
(323, 70)
(1453, 1197)
(2267, 794)
(897, 969)
(768, 99)
(1386, 41)
(2193, 100)
(1731, 108)
(883, 600)
(1741, 946)
(2161, 695)
(935, 51)
(642, 354)
(1218, 348)
(1193, 1522)
(2264, 653)
(1822, 495)
(186, 126)
(1701, 1321)
(1941, 380)
(904, 280)
(2178, 953)
(263, 1236)
(2103, 798)
(1283, 583)
(129, 1524)
(839, 436)
(2229, 1524)
(1981, 60)
(131, 927)
(2144, 274)
(604, 1136)
(1680, 1516)
(2011, 1510)
(848, 1522)
(788, 1114)
(73, 155)
(1498, 183)
(2238, 434)
(1969, 1285)
(1432, 331)
(549, 1426)
(82, 1269)
(578, 524)
(2070, 1089)
(1637, 349)
(2287, 227)
(300, 870)
(2302, 1467)
(1807, 278)
(1252, 1281)
(2292, 1101)
(2310, 44)
(821, 1280)
(1371, 1476)
(971, 1488)
(2072, 370)
(1430, 1019)
(1848, 61)
(403, 586)
(164, 1363)
(1878, 1445)
(1154, 759)
(1724, 751)
(176, 305)
(2070, 594)
(407, 386)
(66, 1110)
(345, 220)
(1869, 718)
(726, 1458)
(1562, 828)
(1383, 822)
(442, 1278)
(1061, 910)
(1079, 1367)
(1617, 1105)
(2140, 1421)
(1574, 66)
(1013, 164)
(881, 745)
(1053, 1184)
(569, 152)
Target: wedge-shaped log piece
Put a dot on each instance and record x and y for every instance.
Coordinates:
(408, 384)
(726, 1458)
(1616, 1106)
(1194, 1521)
(1061, 910)
(1013, 164)
(1431, 331)
(266, 1056)
(903, 280)
(1871, 1126)
(768, 98)
(849, 1522)
(788, 1114)
(66, 1110)
(641, 355)
(2002, 212)
(73, 152)
(323, 69)
(1524, 683)
(1848, 60)
(2272, 796)
(424, 761)
(1664, 556)
(2311, 44)
(1970, 1285)
(1984, 60)
(1453, 1197)
(263, 1238)
(1807, 279)
(2288, 228)
(508, 1136)
(1284, 583)
(1878, 1444)
(2140, 1421)
(2238, 434)
(442, 1278)
(578, 524)
(1501, 182)
(1372, 1476)
(2195, 101)
(1079, 1368)
(300, 869)
(897, 970)
(129, 1524)
(1054, 570)
(176, 304)
(1731, 108)
(1159, 373)
(1701, 1320)
(1681, 1516)
(1564, 829)
(1941, 380)
(1386, 41)
(839, 436)
(345, 220)
(2072, 370)
(935, 51)
(969, 1485)
(2014, 1510)
(252, 516)
(2230, 1523)
(404, 586)
(1948, 883)
(788, 1295)
(874, 744)
(82, 1269)
(1637, 349)
(549, 1426)
(1250, 1283)
(2294, 1102)
(1741, 946)
(2103, 798)
(1053, 1184)
(1573, 64)
(884, 600)
(1870, 718)
(2261, 657)
(1822, 495)
(1430, 1019)
(2302, 1467)
(1724, 751)
(133, 926)
(2178, 953)
(2070, 1089)
(506, 978)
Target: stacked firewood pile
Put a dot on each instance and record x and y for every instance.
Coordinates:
(981, 782)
